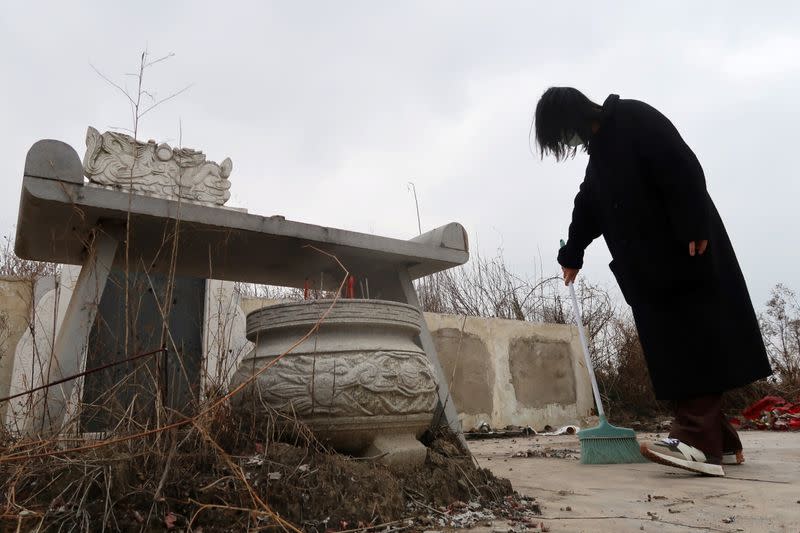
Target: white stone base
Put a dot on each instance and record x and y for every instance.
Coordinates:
(390, 439)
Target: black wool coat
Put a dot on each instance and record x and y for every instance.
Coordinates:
(645, 193)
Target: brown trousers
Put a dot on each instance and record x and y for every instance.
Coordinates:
(699, 422)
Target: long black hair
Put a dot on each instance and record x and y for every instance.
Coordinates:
(561, 113)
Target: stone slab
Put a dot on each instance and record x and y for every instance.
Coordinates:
(56, 214)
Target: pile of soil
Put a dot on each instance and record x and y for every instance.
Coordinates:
(157, 486)
(331, 490)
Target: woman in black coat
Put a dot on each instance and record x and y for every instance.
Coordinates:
(645, 193)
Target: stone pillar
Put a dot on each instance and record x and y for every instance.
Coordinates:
(50, 405)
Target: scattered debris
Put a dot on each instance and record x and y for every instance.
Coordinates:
(519, 512)
(255, 460)
(564, 430)
(170, 520)
(771, 412)
(484, 431)
(681, 501)
(549, 453)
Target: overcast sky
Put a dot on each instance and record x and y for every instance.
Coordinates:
(328, 109)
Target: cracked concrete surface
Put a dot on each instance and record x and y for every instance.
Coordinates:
(763, 495)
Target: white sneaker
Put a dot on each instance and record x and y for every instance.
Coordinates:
(672, 452)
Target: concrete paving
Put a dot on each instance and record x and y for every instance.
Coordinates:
(762, 495)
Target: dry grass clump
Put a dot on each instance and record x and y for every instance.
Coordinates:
(217, 475)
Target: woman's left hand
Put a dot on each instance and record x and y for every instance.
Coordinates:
(697, 247)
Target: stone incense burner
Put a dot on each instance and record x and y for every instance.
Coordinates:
(360, 382)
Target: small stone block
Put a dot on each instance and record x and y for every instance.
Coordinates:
(398, 450)
(54, 160)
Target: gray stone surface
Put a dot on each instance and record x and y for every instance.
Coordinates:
(128, 390)
(358, 377)
(402, 449)
(391, 439)
(54, 160)
(219, 243)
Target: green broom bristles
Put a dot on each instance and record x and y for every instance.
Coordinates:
(607, 444)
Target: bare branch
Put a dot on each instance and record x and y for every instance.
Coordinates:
(120, 128)
(159, 60)
(170, 97)
(120, 89)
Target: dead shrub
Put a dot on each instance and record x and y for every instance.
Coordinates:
(780, 326)
(16, 267)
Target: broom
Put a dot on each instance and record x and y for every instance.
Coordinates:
(604, 444)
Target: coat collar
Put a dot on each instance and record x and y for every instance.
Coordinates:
(607, 112)
(609, 106)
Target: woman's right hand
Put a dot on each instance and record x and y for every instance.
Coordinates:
(569, 274)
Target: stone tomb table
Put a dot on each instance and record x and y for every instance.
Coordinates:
(64, 219)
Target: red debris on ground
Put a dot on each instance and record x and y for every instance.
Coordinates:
(773, 412)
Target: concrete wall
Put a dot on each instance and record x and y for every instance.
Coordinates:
(509, 372)
(250, 304)
(16, 296)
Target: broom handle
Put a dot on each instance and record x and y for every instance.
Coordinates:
(585, 346)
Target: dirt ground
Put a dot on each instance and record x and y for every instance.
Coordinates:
(200, 487)
(763, 495)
